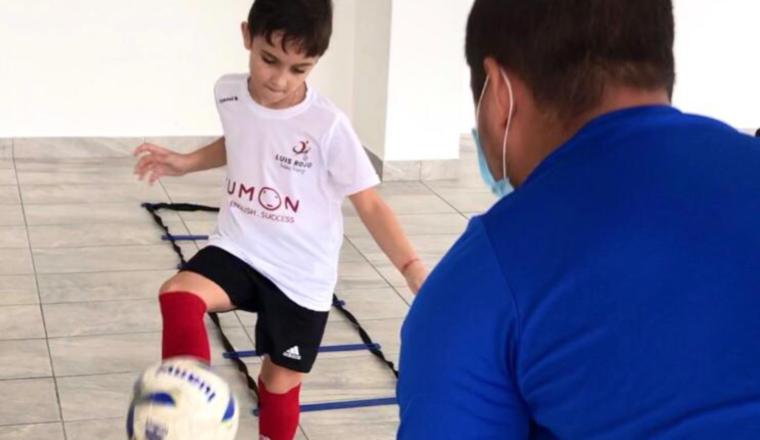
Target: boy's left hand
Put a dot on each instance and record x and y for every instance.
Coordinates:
(415, 275)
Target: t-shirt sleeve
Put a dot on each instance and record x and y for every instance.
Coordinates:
(457, 350)
(218, 86)
(349, 168)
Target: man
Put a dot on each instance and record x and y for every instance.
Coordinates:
(615, 294)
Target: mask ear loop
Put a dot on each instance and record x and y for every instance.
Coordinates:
(480, 100)
(509, 121)
(509, 125)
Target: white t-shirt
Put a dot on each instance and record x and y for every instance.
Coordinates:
(288, 172)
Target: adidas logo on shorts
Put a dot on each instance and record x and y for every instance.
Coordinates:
(292, 353)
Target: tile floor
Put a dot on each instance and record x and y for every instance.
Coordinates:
(80, 262)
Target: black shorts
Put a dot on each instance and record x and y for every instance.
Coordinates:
(288, 333)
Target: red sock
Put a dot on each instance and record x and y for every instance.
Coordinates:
(278, 413)
(184, 330)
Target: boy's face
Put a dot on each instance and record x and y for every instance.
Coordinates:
(277, 75)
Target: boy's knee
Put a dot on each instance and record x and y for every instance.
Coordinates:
(280, 380)
(173, 290)
(168, 287)
(215, 299)
(172, 285)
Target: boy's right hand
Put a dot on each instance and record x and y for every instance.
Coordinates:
(156, 162)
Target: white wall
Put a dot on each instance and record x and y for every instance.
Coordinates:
(96, 68)
(425, 79)
(372, 22)
(334, 75)
(717, 60)
(144, 67)
(467, 107)
(409, 67)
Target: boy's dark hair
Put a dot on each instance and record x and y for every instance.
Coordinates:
(305, 23)
(568, 50)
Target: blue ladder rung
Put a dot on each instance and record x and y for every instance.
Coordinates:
(346, 404)
(324, 349)
(326, 406)
(348, 347)
(185, 237)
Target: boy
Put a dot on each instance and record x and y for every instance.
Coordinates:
(291, 158)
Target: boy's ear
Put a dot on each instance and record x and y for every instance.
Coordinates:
(247, 40)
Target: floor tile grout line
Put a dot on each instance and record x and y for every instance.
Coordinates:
(239, 326)
(24, 378)
(111, 334)
(387, 281)
(6, 425)
(86, 272)
(124, 223)
(132, 372)
(105, 271)
(128, 300)
(115, 184)
(224, 364)
(99, 245)
(227, 365)
(444, 200)
(303, 430)
(104, 245)
(104, 223)
(37, 286)
(80, 203)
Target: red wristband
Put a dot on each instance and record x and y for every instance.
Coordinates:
(409, 263)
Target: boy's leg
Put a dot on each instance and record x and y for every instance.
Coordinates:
(279, 401)
(212, 281)
(290, 336)
(184, 300)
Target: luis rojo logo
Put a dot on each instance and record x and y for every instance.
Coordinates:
(302, 148)
(297, 159)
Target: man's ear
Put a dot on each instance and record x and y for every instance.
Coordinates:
(499, 89)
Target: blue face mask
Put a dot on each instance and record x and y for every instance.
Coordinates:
(499, 187)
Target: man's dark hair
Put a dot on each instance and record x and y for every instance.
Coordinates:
(568, 50)
(304, 23)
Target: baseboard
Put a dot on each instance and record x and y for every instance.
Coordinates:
(414, 170)
(78, 147)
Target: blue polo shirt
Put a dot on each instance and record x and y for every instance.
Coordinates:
(614, 295)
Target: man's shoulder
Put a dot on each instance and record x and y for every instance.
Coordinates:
(471, 256)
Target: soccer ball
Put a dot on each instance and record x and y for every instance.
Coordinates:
(181, 399)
